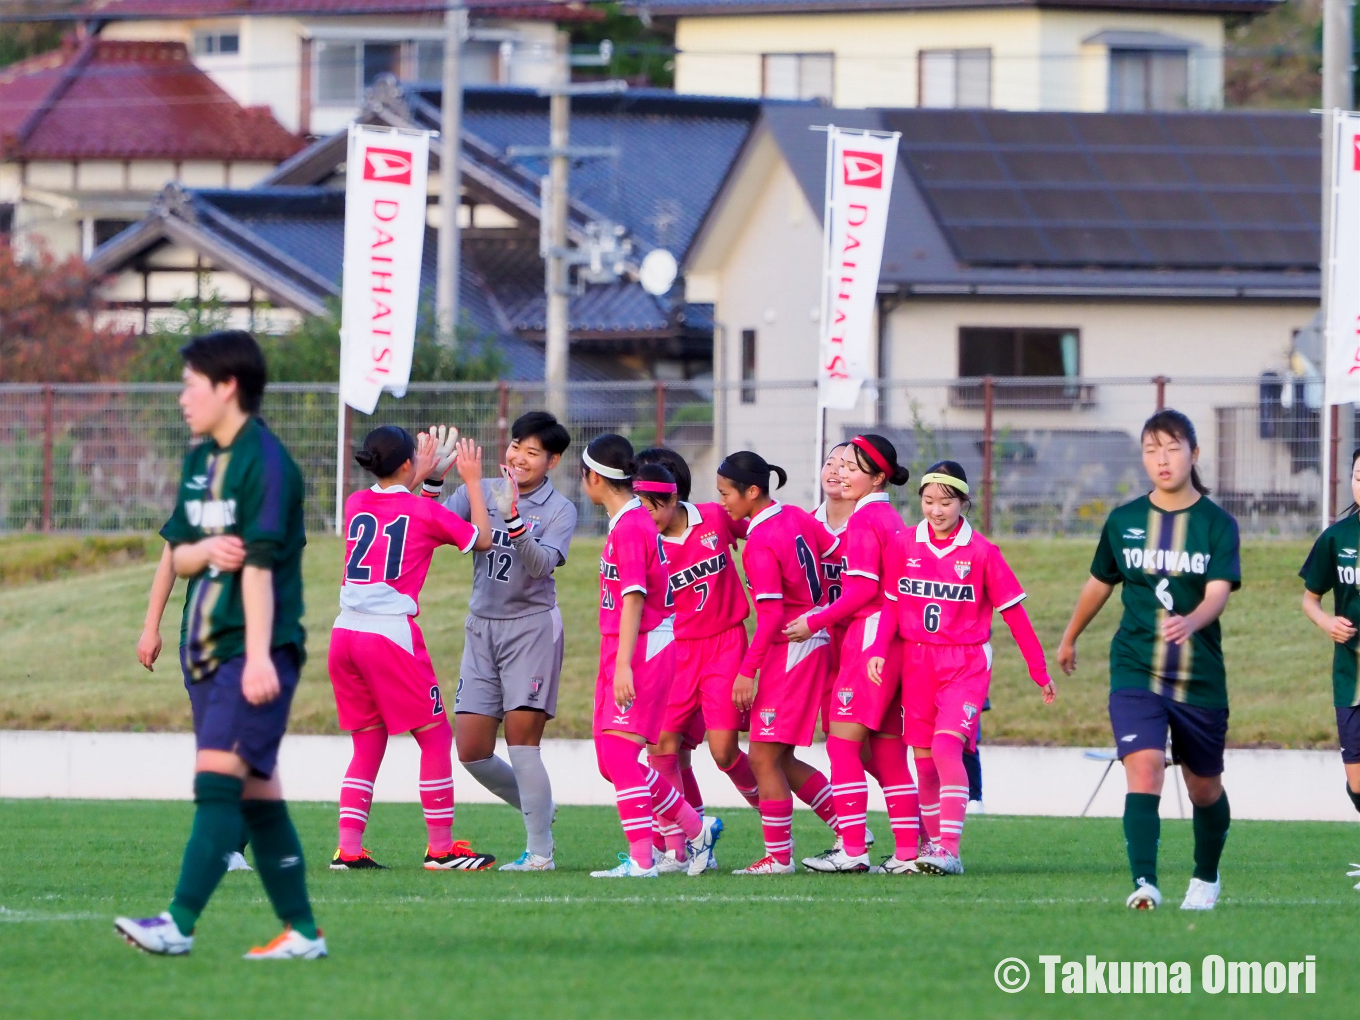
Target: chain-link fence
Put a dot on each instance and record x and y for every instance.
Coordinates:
(1047, 456)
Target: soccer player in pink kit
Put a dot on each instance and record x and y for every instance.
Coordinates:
(782, 558)
(637, 664)
(382, 675)
(945, 580)
(864, 711)
(710, 637)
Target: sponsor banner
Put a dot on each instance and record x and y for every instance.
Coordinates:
(384, 241)
(1343, 295)
(858, 186)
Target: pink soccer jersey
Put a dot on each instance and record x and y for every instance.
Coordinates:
(633, 560)
(784, 548)
(833, 561)
(704, 583)
(869, 532)
(390, 536)
(946, 596)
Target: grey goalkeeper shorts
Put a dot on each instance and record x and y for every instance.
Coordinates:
(510, 664)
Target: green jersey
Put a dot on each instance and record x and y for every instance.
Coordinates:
(252, 489)
(1331, 566)
(1165, 559)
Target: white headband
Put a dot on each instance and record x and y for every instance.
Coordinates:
(603, 470)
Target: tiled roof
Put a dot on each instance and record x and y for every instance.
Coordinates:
(690, 8)
(113, 10)
(129, 100)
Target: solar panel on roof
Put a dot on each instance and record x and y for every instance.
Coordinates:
(1049, 167)
(973, 165)
(1089, 245)
(1118, 129)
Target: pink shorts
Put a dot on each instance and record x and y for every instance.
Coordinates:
(653, 669)
(382, 675)
(704, 671)
(837, 639)
(857, 699)
(789, 692)
(943, 690)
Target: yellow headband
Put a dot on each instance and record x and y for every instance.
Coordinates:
(937, 478)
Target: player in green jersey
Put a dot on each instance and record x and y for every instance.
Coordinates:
(1176, 552)
(1331, 566)
(236, 533)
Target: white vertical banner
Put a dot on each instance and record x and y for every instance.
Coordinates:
(859, 176)
(384, 243)
(1343, 264)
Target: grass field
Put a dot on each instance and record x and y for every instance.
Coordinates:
(69, 660)
(410, 943)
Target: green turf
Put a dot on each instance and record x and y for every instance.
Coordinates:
(411, 943)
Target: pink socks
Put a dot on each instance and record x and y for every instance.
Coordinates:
(436, 785)
(899, 790)
(948, 754)
(619, 763)
(667, 766)
(744, 779)
(776, 818)
(816, 794)
(691, 787)
(669, 806)
(850, 792)
(928, 783)
(356, 790)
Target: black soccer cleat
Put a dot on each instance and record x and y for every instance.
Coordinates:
(461, 858)
(361, 862)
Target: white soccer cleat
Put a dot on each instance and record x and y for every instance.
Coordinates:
(868, 838)
(158, 935)
(529, 862)
(290, 945)
(893, 866)
(939, 862)
(837, 861)
(701, 847)
(1354, 874)
(1145, 897)
(669, 864)
(767, 865)
(1201, 895)
(627, 868)
(975, 808)
(236, 861)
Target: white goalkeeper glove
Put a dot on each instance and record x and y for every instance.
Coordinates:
(445, 438)
(505, 494)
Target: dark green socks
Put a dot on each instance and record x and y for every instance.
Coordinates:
(216, 833)
(1142, 833)
(278, 859)
(1211, 832)
(1355, 797)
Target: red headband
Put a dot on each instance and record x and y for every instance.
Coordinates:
(666, 487)
(861, 443)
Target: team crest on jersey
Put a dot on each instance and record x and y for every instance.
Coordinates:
(709, 541)
(963, 569)
(969, 710)
(767, 717)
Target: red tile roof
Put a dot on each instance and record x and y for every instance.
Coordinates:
(129, 100)
(545, 10)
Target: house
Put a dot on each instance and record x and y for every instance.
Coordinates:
(310, 61)
(91, 132)
(1004, 54)
(1073, 257)
(272, 253)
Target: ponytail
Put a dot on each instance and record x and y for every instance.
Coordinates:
(385, 449)
(877, 456)
(611, 457)
(746, 469)
(1175, 424)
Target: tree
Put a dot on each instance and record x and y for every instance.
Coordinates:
(48, 322)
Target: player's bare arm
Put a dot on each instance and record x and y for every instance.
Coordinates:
(469, 464)
(1094, 594)
(224, 553)
(259, 679)
(630, 623)
(1178, 629)
(149, 644)
(1338, 628)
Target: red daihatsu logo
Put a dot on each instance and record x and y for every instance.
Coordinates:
(863, 169)
(1355, 151)
(391, 166)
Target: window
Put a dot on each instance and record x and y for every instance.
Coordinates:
(748, 366)
(223, 43)
(798, 76)
(380, 58)
(337, 79)
(6, 218)
(345, 69)
(106, 229)
(955, 78)
(1149, 79)
(1018, 352)
(429, 61)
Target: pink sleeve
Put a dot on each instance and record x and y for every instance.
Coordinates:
(767, 588)
(631, 550)
(1023, 631)
(450, 529)
(859, 580)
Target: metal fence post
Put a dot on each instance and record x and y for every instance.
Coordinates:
(660, 413)
(988, 401)
(1160, 382)
(502, 418)
(1333, 449)
(49, 426)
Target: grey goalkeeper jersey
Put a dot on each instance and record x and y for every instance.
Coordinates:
(514, 579)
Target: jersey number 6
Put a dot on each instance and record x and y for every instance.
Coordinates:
(930, 619)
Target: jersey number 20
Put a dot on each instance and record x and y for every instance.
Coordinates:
(363, 530)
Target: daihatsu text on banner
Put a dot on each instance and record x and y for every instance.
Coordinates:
(384, 241)
(858, 186)
(1343, 293)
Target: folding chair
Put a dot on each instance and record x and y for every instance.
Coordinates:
(1110, 756)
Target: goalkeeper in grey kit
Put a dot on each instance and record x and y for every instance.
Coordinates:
(512, 653)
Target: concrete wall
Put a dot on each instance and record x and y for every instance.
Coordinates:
(1038, 60)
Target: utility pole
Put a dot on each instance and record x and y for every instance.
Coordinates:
(450, 180)
(1338, 93)
(555, 265)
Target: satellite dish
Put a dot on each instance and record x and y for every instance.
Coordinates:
(657, 272)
